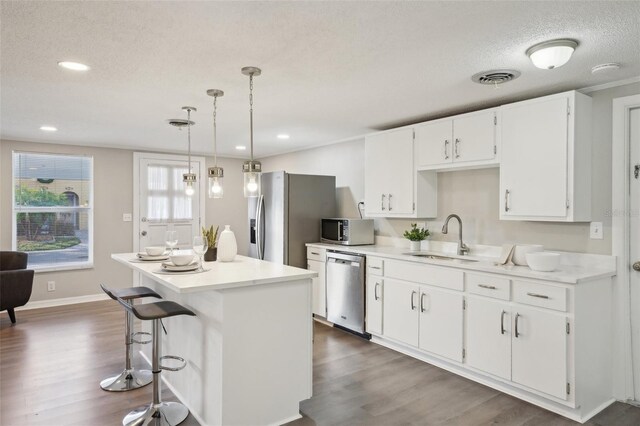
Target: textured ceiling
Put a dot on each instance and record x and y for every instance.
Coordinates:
(331, 70)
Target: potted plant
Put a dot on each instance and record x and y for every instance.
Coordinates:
(212, 240)
(415, 235)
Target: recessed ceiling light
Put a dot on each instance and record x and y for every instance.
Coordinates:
(283, 136)
(48, 128)
(241, 147)
(552, 54)
(74, 66)
(605, 67)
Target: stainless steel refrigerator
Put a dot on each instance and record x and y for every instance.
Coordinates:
(288, 214)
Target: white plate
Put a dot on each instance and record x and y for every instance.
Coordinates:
(169, 266)
(145, 256)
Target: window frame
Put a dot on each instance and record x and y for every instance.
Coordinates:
(67, 266)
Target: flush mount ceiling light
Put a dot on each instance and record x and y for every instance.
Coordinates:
(252, 170)
(188, 178)
(552, 54)
(611, 66)
(283, 136)
(216, 174)
(241, 147)
(48, 128)
(74, 66)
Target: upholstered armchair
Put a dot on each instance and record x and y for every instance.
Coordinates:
(16, 281)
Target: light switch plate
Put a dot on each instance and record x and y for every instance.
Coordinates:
(126, 217)
(595, 231)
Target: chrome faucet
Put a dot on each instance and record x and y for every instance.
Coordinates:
(462, 247)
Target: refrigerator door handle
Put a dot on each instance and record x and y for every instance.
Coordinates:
(259, 228)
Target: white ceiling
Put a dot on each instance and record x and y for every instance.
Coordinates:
(331, 70)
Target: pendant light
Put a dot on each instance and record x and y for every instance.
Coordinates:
(215, 173)
(188, 178)
(252, 169)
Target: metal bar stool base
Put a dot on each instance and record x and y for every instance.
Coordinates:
(163, 414)
(127, 380)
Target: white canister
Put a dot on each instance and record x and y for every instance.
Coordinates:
(227, 245)
(520, 253)
(414, 245)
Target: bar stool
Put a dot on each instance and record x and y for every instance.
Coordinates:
(157, 413)
(130, 378)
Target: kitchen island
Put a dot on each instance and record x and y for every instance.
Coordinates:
(249, 348)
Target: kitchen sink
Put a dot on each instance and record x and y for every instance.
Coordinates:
(437, 257)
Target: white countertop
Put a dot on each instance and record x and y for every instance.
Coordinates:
(242, 272)
(584, 270)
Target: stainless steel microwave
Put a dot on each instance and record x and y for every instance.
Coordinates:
(348, 232)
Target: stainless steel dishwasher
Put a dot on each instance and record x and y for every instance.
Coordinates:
(345, 290)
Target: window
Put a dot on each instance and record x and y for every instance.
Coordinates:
(53, 210)
(166, 199)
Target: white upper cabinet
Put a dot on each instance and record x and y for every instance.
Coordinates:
(392, 186)
(545, 168)
(463, 141)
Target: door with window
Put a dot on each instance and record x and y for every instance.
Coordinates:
(162, 203)
(634, 241)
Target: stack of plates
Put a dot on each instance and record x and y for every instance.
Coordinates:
(170, 267)
(145, 256)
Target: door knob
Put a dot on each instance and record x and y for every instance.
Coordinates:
(636, 266)
(143, 233)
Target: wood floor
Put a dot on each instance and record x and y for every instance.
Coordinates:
(52, 360)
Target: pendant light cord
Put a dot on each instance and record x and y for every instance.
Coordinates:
(251, 111)
(215, 149)
(189, 136)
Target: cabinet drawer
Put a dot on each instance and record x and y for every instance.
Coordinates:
(375, 266)
(319, 254)
(488, 285)
(542, 295)
(425, 274)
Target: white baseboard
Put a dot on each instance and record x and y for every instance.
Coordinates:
(64, 301)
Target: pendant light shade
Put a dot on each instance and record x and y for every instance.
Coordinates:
(552, 54)
(252, 169)
(188, 178)
(216, 174)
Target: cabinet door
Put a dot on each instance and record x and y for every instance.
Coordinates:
(400, 311)
(474, 137)
(399, 172)
(434, 143)
(318, 288)
(440, 327)
(375, 289)
(533, 167)
(375, 165)
(539, 351)
(489, 337)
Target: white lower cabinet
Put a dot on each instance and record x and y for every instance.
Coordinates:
(316, 259)
(441, 322)
(400, 311)
(539, 351)
(374, 295)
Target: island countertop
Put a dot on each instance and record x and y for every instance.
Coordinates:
(242, 272)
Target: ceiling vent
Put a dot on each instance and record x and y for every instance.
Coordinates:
(495, 77)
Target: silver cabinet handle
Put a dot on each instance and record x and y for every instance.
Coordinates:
(446, 152)
(143, 233)
(456, 148)
(413, 306)
(506, 200)
(422, 302)
(517, 316)
(316, 253)
(636, 266)
(375, 291)
(389, 202)
(382, 202)
(490, 287)
(375, 267)
(502, 322)
(541, 296)
(144, 219)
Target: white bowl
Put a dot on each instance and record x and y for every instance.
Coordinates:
(521, 250)
(543, 261)
(154, 250)
(181, 259)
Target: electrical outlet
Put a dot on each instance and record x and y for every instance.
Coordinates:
(51, 286)
(595, 231)
(126, 217)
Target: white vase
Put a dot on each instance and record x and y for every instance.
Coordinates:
(227, 245)
(415, 245)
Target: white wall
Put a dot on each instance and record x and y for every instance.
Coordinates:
(113, 188)
(473, 194)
